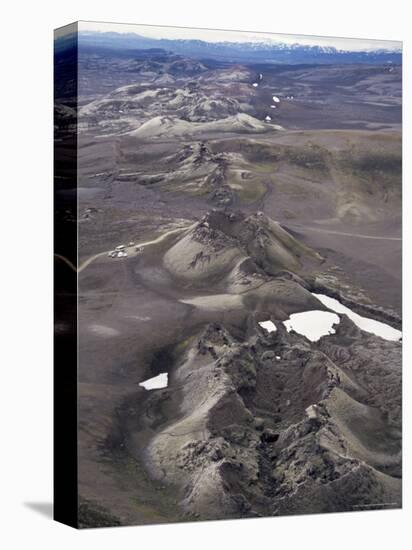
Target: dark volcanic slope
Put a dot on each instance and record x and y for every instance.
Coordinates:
(312, 96)
(271, 425)
(251, 423)
(230, 218)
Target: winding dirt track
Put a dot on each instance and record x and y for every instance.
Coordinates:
(142, 244)
(181, 229)
(343, 234)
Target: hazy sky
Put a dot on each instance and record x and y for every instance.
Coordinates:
(209, 35)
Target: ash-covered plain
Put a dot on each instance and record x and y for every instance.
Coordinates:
(215, 197)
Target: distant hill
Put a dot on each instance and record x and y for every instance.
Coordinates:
(257, 52)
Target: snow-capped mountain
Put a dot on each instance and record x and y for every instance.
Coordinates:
(253, 51)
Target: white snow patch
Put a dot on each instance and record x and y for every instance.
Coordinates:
(268, 118)
(156, 383)
(268, 325)
(312, 324)
(276, 99)
(255, 84)
(364, 323)
(273, 107)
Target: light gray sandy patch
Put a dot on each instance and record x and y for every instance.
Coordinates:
(216, 302)
(139, 318)
(103, 330)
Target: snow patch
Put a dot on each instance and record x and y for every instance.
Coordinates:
(364, 323)
(312, 324)
(268, 325)
(156, 383)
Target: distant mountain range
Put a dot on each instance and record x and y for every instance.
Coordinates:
(256, 52)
